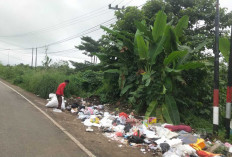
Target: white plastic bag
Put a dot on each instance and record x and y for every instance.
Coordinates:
(54, 103)
(51, 95)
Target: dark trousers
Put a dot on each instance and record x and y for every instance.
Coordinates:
(59, 98)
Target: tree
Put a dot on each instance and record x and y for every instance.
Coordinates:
(150, 65)
(90, 46)
(46, 62)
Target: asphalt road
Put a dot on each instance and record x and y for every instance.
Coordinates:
(25, 132)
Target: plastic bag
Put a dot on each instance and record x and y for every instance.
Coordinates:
(53, 103)
(51, 95)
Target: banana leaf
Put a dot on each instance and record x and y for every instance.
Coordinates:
(154, 52)
(170, 42)
(224, 46)
(142, 47)
(151, 109)
(191, 65)
(172, 109)
(147, 79)
(181, 26)
(168, 84)
(173, 56)
(166, 114)
(197, 49)
(159, 25)
(125, 89)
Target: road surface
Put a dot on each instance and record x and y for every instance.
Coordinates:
(25, 132)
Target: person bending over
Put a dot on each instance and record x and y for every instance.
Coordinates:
(60, 92)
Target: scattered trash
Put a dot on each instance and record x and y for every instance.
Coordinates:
(120, 145)
(148, 135)
(89, 129)
(57, 110)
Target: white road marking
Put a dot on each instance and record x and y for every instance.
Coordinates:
(55, 123)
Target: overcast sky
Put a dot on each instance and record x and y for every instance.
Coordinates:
(36, 23)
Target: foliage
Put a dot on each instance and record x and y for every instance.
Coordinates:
(47, 61)
(224, 46)
(90, 47)
(158, 59)
(44, 81)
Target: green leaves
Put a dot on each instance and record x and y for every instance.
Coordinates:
(151, 109)
(171, 39)
(142, 47)
(159, 25)
(224, 46)
(166, 114)
(112, 71)
(173, 56)
(125, 89)
(172, 110)
(147, 79)
(191, 65)
(182, 25)
(157, 50)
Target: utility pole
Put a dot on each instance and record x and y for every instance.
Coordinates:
(216, 74)
(32, 57)
(36, 57)
(229, 92)
(116, 7)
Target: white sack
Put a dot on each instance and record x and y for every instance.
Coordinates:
(53, 103)
(51, 95)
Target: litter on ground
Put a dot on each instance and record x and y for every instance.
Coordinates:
(148, 135)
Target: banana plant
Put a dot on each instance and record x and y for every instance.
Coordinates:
(163, 44)
(159, 57)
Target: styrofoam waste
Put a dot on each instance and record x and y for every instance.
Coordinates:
(53, 103)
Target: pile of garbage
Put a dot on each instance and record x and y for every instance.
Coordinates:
(165, 140)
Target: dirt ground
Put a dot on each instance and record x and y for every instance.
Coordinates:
(97, 143)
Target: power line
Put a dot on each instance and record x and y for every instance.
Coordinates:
(90, 30)
(85, 32)
(128, 2)
(73, 21)
(93, 29)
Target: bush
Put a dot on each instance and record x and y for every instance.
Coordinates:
(42, 82)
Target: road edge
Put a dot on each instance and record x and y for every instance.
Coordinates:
(54, 122)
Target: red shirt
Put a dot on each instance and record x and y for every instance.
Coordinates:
(60, 89)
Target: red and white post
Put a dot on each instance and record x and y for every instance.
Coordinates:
(216, 74)
(229, 93)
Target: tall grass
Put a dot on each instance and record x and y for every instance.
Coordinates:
(42, 82)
